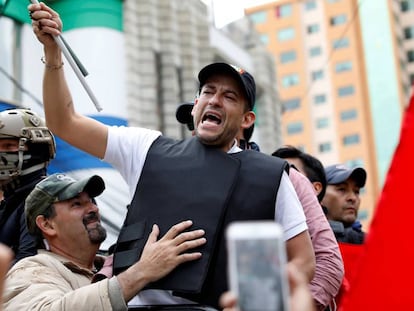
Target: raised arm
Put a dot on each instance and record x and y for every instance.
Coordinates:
(61, 118)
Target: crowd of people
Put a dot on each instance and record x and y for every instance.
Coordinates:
(171, 249)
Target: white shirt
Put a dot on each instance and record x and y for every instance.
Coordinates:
(127, 150)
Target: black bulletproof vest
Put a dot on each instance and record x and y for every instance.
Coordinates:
(188, 180)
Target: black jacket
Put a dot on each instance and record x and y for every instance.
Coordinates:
(13, 230)
(352, 234)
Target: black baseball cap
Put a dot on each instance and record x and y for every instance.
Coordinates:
(245, 79)
(183, 115)
(338, 173)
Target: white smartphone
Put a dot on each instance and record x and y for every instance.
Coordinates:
(257, 265)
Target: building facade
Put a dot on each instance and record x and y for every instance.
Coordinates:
(342, 78)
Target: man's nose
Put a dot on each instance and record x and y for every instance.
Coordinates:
(352, 196)
(214, 100)
(92, 207)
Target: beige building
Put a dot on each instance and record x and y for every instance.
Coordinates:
(322, 78)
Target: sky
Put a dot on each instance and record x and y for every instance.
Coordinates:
(226, 11)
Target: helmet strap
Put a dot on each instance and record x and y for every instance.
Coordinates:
(22, 145)
(33, 168)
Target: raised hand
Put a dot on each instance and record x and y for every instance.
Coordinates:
(46, 23)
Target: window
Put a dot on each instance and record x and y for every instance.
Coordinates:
(400, 41)
(310, 5)
(362, 213)
(343, 66)
(350, 139)
(283, 10)
(315, 51)
(301, 148)
(410, 56)
(340, 43)
(317, 75)
(412, 78)
(324, 147)
(407, 88)
(355, 163)
(396, 18)
(346, 90)
(322, 123)
(290, 80)
(338, 20)
(290, 104)
(258, 17)
(313, 28)
(319, 99)
(402, 64)
(409, 32)
(347, 115)
(407, 5)
(285, 34)
(294, 128)
(264, 39)
(288, 56)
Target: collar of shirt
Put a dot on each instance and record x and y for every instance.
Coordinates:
(235, 148)
(71, 265)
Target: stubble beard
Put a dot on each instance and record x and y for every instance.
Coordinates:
(219, 140)
(97, 234)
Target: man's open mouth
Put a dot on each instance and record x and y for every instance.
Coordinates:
(211, 117)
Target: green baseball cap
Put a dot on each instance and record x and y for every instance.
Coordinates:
(55, 188)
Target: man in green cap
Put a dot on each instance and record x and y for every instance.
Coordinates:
(61, 213)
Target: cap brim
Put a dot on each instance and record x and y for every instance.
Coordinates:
(217, 68)
(93, 186)
(359, 175)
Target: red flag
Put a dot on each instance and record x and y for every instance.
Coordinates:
(385, 276)
(351, 254)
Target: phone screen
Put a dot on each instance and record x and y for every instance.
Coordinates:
(257, 272)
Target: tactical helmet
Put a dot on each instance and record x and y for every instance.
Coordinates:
(36, 143)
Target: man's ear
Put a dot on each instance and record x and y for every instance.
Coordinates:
(317, 186)
(195, 103)
(45, 225)
(248, 119)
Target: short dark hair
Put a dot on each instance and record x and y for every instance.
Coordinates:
(314, 169)
(247, 133)
(48, 213)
